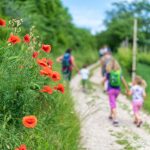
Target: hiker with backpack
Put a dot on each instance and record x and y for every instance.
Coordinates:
(114, 77)
(68, 63)
(103, 51)
(103, 62)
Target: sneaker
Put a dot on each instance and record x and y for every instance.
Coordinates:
(110, 117)
(116, 123)
(139, 124)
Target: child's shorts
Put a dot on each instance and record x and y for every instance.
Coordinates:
(137, 105)
(113, 94)
(84, 82)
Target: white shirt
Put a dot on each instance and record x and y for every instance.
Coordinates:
(84, 73)
(137, 93)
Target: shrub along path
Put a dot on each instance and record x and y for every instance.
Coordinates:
(97, 132)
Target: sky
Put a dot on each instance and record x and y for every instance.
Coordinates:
(89, 13)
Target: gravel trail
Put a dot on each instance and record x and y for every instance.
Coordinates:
(97, 132)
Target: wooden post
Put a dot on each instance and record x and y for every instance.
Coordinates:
(134, 49)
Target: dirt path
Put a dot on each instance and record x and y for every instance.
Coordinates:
(97, 132)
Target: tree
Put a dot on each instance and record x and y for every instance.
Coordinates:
(119, 23)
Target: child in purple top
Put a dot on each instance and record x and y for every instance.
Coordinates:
(114, 78)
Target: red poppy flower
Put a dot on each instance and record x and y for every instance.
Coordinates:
(14, 39)
(42, 62)
(27, 38)
(46, 71)
(22, 147)
(35, 54)
(2, 22)
(29, 121)
(46, 48)
(55, 76)
(60, 87)
(49, 62)
(47, 89)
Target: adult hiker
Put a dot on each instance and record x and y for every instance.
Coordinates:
(104, 61)
(103, 51)
(68, 63)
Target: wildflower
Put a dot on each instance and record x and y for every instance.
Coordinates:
(35, 54)
(46, 71)
(14, 39)
(55, 76)
(46, 48)
(60, 87)
(22, 147)
(49, 62)
(47, 89)
(29, 121)
(42, 62)
(2, 22)
(27, 38)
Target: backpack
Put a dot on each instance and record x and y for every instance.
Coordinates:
(66, 62)
(115, 78)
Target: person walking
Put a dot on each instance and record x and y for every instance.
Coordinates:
(138, 94)
(114, 78)
(68, 63)
(84, 72)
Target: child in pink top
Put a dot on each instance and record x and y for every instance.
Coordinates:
(138, 94)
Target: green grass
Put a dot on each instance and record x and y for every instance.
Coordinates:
(58, 125)
(58, 128)
(144, 71)
(143, 58)
(85, 58)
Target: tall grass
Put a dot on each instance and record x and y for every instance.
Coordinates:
(144, 58)
(124, 56)
(58, 126)
(144, 71)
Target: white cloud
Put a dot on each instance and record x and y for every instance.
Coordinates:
(90, 19)
(90, 15)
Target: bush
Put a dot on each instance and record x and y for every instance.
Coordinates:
(124, 56)
(144, 58)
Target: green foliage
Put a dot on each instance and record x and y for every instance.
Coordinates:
(144, 71)
(144, 58)
(58, 126)
(119, 24)
(124, 57)
(52, 20)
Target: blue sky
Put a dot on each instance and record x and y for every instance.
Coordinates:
(89, 13)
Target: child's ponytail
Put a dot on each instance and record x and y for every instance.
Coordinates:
(144, 84)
